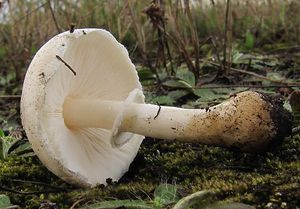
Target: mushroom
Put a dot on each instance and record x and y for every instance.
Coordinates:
(83, 111)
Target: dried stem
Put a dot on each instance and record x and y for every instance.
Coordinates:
(76, 203)
(141, 42)
(179, 44)
(195, 40)
(257, 75)
(30, 192)
(10, 96)
(225, 37)
(53, 17)
(66, 64)
(38, 183)
(246, 86)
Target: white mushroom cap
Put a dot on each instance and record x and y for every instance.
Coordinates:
(84, 156)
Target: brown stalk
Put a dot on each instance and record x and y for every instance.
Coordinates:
(229, 36)
(165, 40)
(156, 13)
(257, 75)
(53, 17)
(216, 50)
(141, 42)
(224, 70)
(28, 14)
(76, 203)
(179, 43)
(66, 64)
(194, 36)
(10, 96)
(246, 86)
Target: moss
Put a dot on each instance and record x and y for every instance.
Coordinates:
(256, 179)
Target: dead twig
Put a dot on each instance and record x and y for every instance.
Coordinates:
(158, 111)
(257, 75)
(10, 96)
(246, 86)
(30, 192)
(194, 36)
(179, 44)
(66, 64)
(224, 70)
(27, 14)
(76, 203)
(216, 50)
(39, 183)
(53, 16)
(141, 42)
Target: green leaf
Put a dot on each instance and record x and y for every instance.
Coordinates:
(206, 95)
(177, 94)
(287, 106)
(240, 58)
(1, 149)
(2, 52)
(177, 84)
(6, 143)
(113, 204)
(1, 133)
(23, 150)
(145, 74)
(4, 201)
(201, 197)
(165, 194)
(249, 40)
(186, 76)
(11, 145)
(33, 49)
(163, 100)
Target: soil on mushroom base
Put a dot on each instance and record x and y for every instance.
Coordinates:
(249, 178)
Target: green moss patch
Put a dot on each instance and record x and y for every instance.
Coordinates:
(256, 179)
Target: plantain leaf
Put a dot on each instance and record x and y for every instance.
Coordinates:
(177, 94)
(165, 194)
(145, 74)
(4, 201)
(10, 145)
(163, 100)
(179, 84)
(201, 197)
(186, 75)
(206, 95)
(6, 143)
(114, 204)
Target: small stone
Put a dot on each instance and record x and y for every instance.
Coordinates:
(283, 205)
(269, 205)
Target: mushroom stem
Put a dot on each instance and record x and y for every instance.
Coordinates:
(244, 121)
(170, 123)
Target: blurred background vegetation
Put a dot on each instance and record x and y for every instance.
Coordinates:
(189, 53)
(161, 35)
(180, 45)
